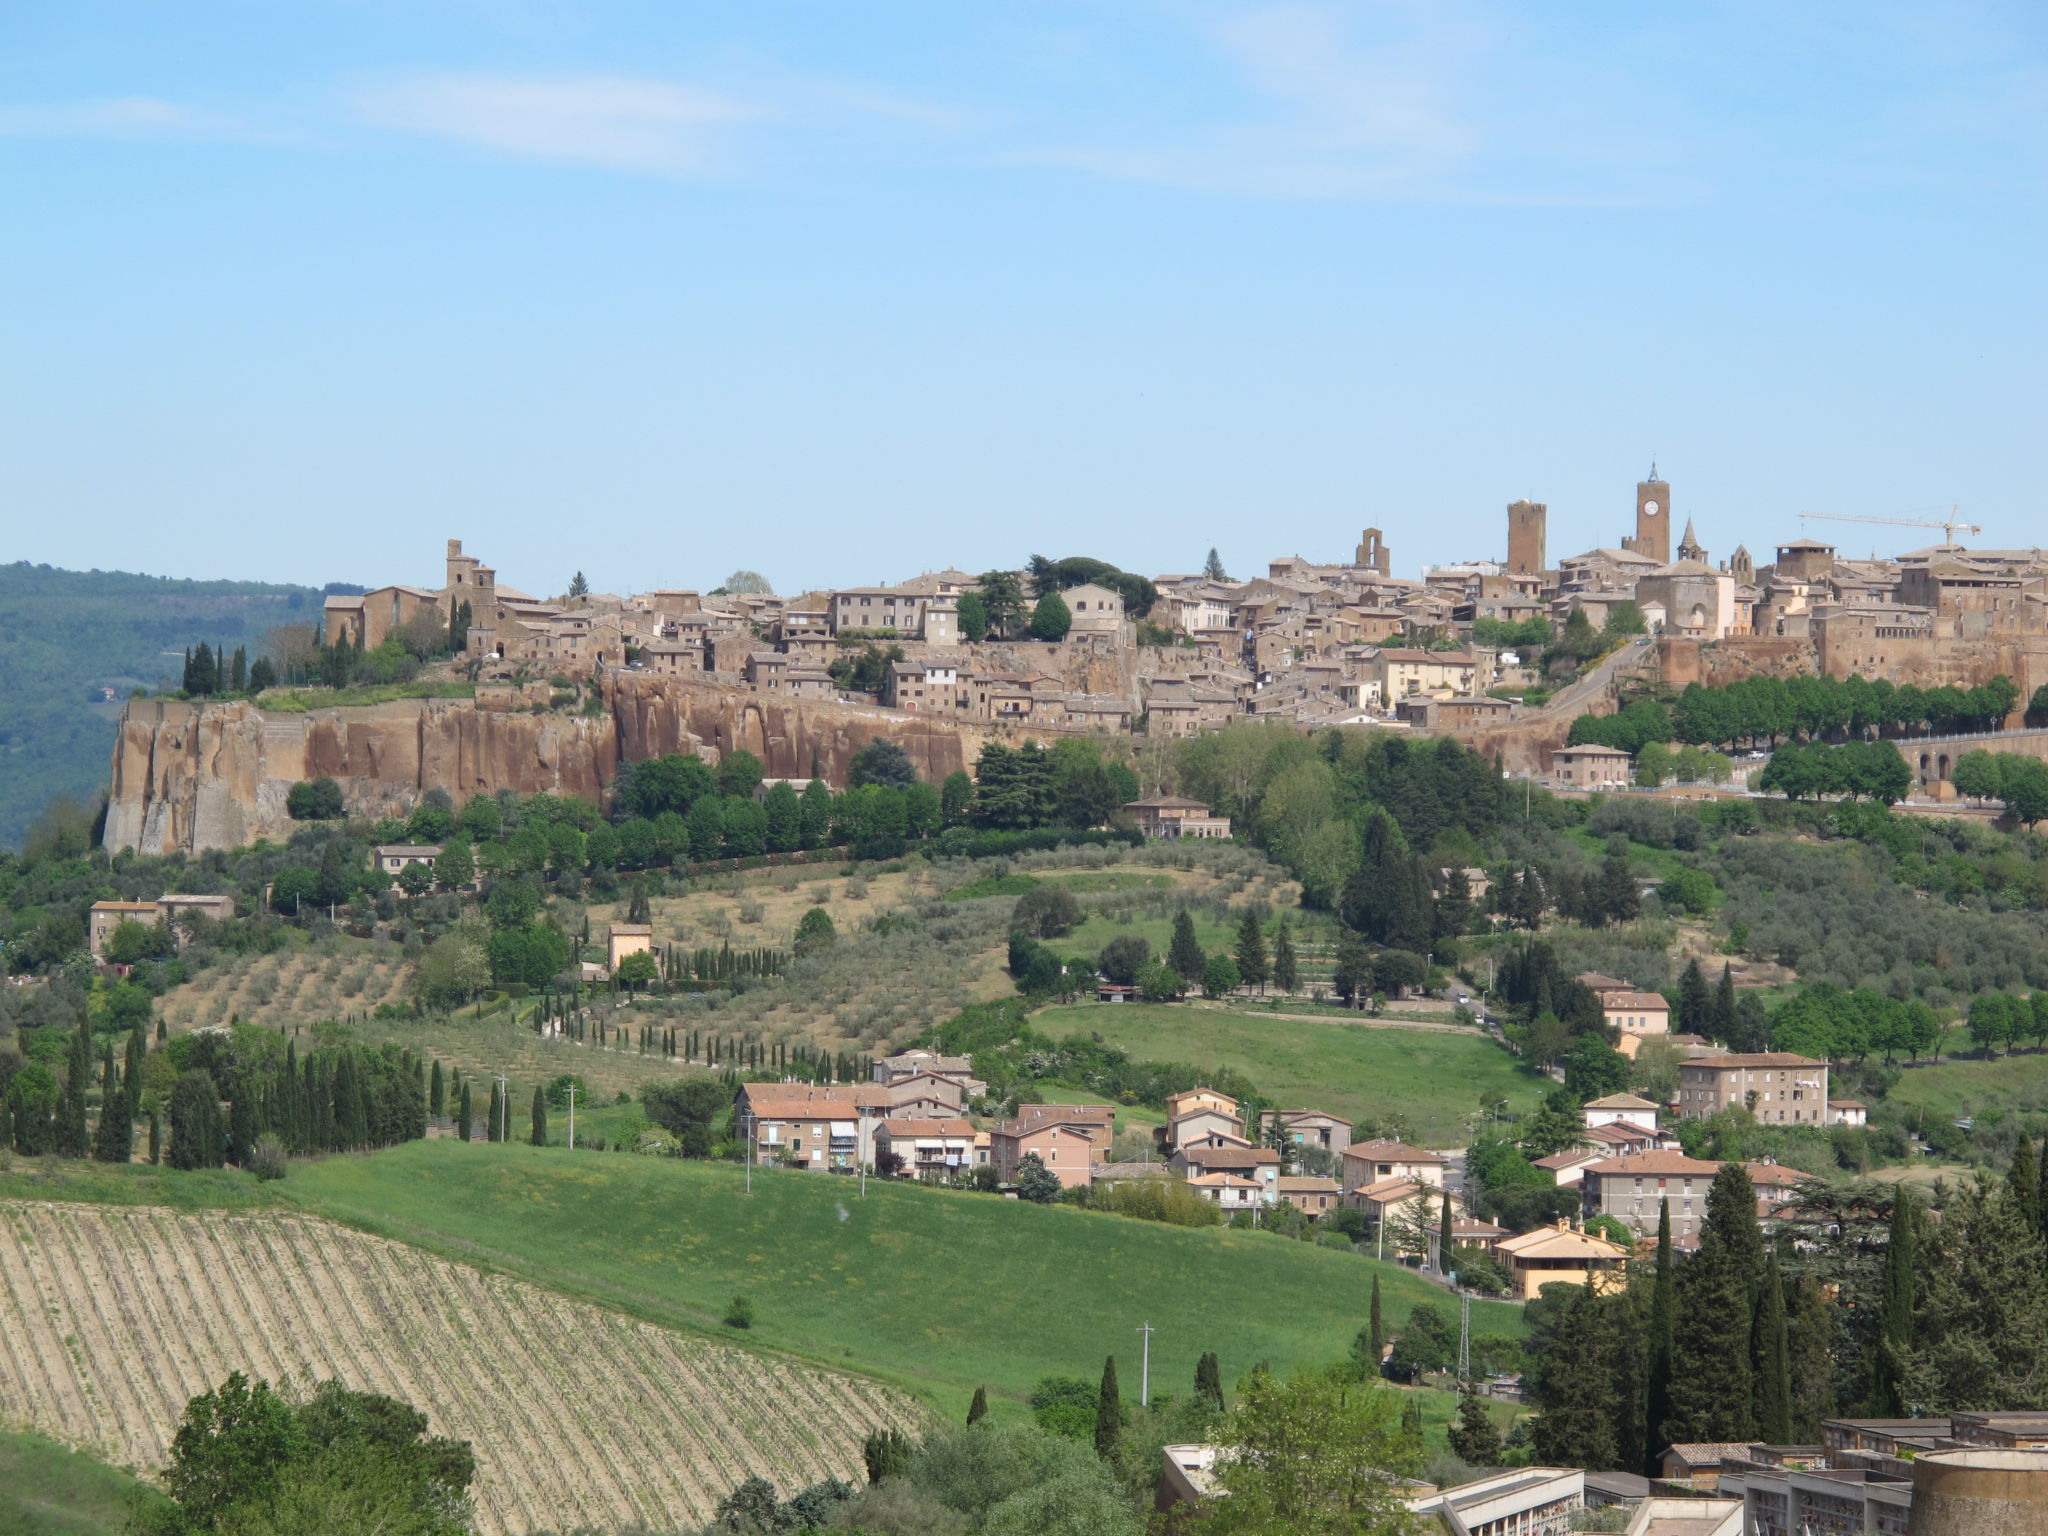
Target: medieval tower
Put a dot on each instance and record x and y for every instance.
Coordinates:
(1526, 522)
(1653, 519)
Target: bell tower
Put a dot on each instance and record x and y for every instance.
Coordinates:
(1653, 519)
(1526, 521)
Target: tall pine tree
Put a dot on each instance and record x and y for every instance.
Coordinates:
(1895, 1307)
(1377, 1327)
(1184, 953)
(1711, 1389)
(1252, 967)
(1573, 1388)
(462, 1122)
(540, 1118)
(73, 1137)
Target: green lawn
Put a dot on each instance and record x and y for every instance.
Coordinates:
(938, 1292)
(1086, 941)
(1956, 1087)
(46, 1490)
(1432, 1079)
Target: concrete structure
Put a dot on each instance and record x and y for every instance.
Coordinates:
(1521, 1501)
(1778, 1087)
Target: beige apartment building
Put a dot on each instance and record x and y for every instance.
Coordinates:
(1778, 1087)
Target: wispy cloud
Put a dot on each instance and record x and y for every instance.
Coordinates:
(118, 117)
(615, 121)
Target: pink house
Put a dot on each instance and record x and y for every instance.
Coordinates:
(1067, 1152)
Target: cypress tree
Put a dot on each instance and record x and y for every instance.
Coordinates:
(1109, 1414)
(1474, 1440)
(1209, 1381)
(1184, 954)
(131, 1070)
(1812, 1324)
(540, 1118)
(1721, 1018)
(1773, 1360)
(1443, 1238)
(1657, 1386)
(1377, 1325)
(73, 1138)
(114, 1139)
(978, 1409)
(1895, 1307)
(156, 1145)
(2023, 1177)
(1286, 964)
(437, 1093)
(1627, 1316)
(462, 1126)
(1572, 1390)
(1695, 1004)
(1711, 1394)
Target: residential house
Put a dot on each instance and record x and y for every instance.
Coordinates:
(1313, 1196)
(1098, 612)
(1259, 1164)
(1618, 1138)
(1367, 1162)
(1404, 671)
(802, 1126)
(1095, 1121)
(1549, 1255)
(1067, 1152)
(924, 1094)
(955, 1069)
(1309, 1128)
(1229, 1190)
(1192, 1098)
(1778, 1087)
(626, 939)
(1620, 1109)
(392, 858)
(1591, 767)
(1636, 1016)
(938, 1148)
(1847, 1112)
(1203, 1123)
(1568, 1167)
(105, 916)
(1633, 1190)
(1172, 818)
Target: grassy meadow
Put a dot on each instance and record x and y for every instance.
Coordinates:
(48, 1490)
(934, 1291)
(1431, 1078)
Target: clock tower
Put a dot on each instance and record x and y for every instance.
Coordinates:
(1653, 519)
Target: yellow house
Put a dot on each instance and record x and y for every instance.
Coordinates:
(627, 939)
(1548, 1255)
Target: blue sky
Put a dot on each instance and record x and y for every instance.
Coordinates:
(846, 290)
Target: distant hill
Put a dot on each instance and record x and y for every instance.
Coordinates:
(68, 636)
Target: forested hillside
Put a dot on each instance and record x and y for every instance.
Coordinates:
(67, 635)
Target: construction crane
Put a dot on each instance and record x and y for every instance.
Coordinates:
(1948, 525)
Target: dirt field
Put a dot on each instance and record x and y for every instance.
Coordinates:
(111, 1319)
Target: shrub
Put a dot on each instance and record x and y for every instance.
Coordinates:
(267, 1159)
(739, 1312)
(1046, 912)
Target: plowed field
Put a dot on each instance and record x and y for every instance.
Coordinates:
(110, 1319)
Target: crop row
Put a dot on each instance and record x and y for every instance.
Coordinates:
(111, 1319)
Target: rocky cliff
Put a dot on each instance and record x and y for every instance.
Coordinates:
(188, 777)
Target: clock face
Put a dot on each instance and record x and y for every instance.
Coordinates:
(1650, 507)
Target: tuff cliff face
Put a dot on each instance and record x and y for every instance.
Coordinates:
(187, 777)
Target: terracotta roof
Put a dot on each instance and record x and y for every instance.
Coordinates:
(1229, 1157)
(1224, 1181)
(1561, 1243)
(1621, 1100)
(1756, 1059)
(1845, 1104)
(1642, 1002)
(1033, 1127)
(1109, 1172)
(1392, 1152)
(928, 1127)
(1305, 1184)
(1601, 983)
(1560, 1160)
(1591, 751)
(1645, 1163)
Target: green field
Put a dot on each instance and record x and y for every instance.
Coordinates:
(1971, 1085)
(1432, 1079)
(937, 1292)
(46, 1490)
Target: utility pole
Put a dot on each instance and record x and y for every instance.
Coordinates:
(504, 1111)
(747, 1120)
(572, 1117)
(1464, 1331)
(1144, 1330)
